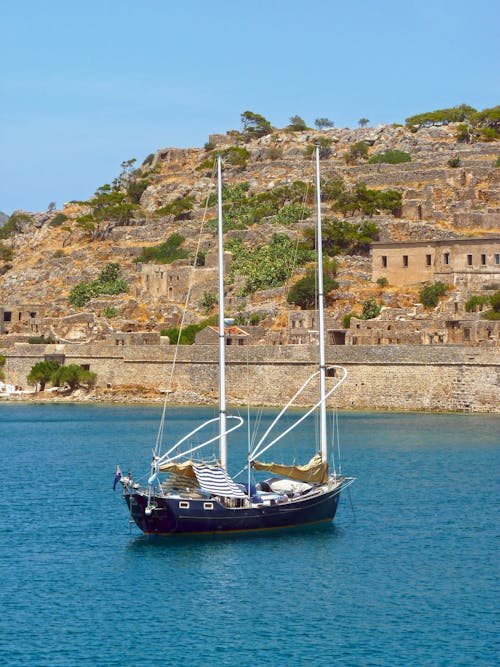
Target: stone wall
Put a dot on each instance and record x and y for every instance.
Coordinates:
(390, 377)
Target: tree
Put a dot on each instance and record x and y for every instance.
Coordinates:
(322, 123)
(357, 152)
(304, 292)
(362, 122)
(41, 373)
(255, 125)
(297, 124)
(73, 376)
(52, 206)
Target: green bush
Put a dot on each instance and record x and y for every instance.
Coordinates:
(325, 148)
(475, 302)
(110, 312)
(148, 160)
(208, 301)
(180, 208)
(346, 320)
(108, 282)
(429, 294)
(382, 282)
(269, 265)
(188, 334)
(390, 157)
(274, 153)
(41, 340)
(165, 253)
(357, 153)
(368, 202)
(6, 253)
(454, 162)
(291, 213)
(2, 363)
(304, 292)
(58, 220)
(370, 309)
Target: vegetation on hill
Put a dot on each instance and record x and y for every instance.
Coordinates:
(2, 364)
(304, 292)
(483, 125)
(165, 253)
(430, 294)
(341, 237)
(390, 157)
(108, 282)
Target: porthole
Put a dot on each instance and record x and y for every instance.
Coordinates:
(208, 506)
(183, 505)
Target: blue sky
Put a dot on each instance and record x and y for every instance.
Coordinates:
(86, 85)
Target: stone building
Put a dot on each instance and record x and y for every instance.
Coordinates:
(463, 263)
(24, 319)
(173, 281)
(234, 335)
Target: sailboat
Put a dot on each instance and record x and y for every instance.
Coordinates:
(186, 496)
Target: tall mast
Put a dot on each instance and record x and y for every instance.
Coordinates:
(321, 314)
(222, 341)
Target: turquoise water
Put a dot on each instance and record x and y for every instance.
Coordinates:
(410, 579)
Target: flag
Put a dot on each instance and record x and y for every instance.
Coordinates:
(118, 475)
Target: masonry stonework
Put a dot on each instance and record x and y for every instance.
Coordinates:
(389, 377)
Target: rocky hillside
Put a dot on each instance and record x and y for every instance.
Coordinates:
(447, 189)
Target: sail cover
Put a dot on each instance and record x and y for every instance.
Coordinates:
(184, 469)
(316, 471)
(216, 480)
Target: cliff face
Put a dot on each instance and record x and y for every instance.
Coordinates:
(438, 201)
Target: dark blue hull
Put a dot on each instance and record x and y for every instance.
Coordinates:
(198, 516)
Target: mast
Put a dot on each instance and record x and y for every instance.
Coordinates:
(321, 314)
(222, 341)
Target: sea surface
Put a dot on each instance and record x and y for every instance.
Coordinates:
(406, 576)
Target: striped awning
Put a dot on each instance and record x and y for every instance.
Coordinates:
(216, 480)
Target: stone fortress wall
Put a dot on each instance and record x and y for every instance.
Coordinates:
(388, 377)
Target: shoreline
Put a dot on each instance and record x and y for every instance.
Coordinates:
(126, 400)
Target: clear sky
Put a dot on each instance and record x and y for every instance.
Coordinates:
(85, 85)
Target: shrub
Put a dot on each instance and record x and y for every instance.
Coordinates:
(382, 282)
(136, 188)
(291, 213)
(108, 282)
(165, 253)
(463, 133)
(268, 265)
(475, 302)
(255, 319)
(6, 253)
(304, 292)
(357, 152)
(110, 312)
(58, 220)
(497, 162)
(208, 301)
(274, 153)
(346, 320)
(325, 148)
(370, 309)
(390, 157)
(41, 340)
(187, 336)
(2, 363)
(429, 294)
(454, 162)
(148, 160)
(180, 208)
